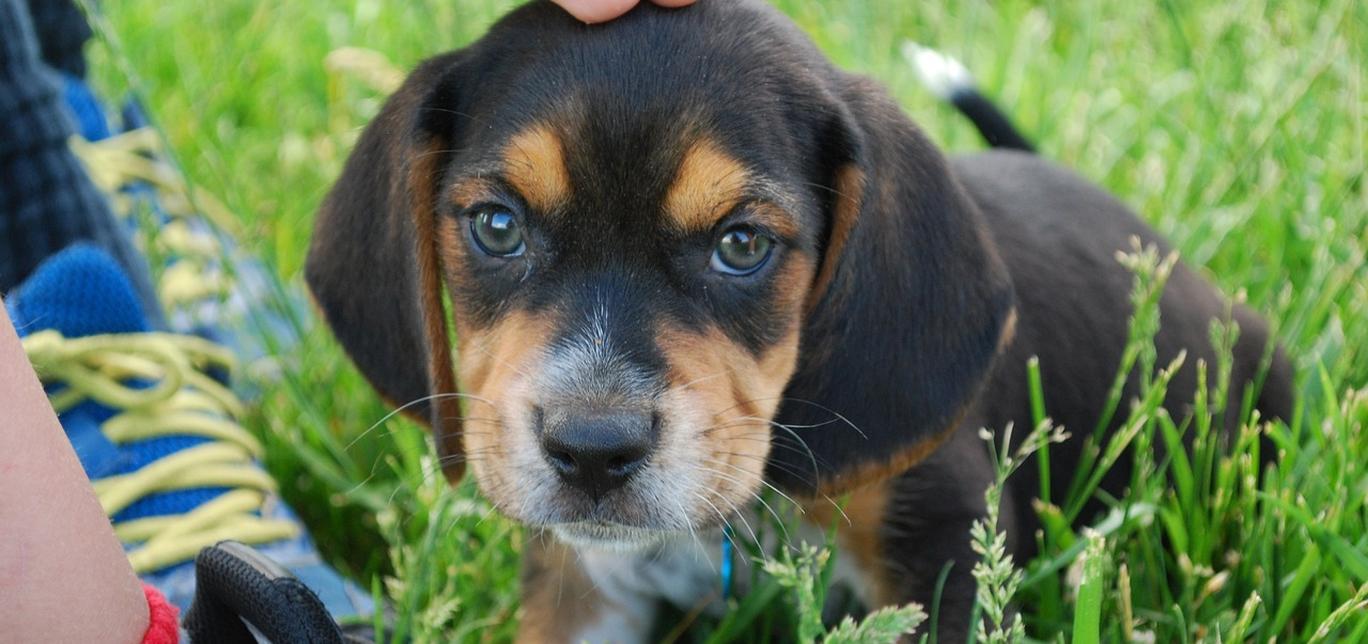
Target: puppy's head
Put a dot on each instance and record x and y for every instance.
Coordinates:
(648, 232)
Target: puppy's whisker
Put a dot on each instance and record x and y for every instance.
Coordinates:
(828, 410)
(452, 459)
(738, 421)
(483, 450)
(735, 511)
(484, 350)
(488, 513)
(763, 482)
(729, 531)
(417, 401)
(444, 110)
(442, 434)
(801, 477)
(840, 417)
(816, 471)
(765, 438)
(838, 193)
(753, 495)
(812, 457)
(693, 532)
(685, 387)
(740, 515)
(375, 464)
(811, 426)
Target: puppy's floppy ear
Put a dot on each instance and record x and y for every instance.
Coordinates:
(373, 265)
(909, 308)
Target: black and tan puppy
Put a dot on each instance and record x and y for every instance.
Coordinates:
(687, 258)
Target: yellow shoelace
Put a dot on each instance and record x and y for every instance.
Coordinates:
(180, 400)
(137, 156)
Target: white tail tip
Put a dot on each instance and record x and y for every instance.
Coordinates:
(942, 75)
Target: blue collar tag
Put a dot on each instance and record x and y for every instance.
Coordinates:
(726, 566)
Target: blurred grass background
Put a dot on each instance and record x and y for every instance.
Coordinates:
(1236, 127)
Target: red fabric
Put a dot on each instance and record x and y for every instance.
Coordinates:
(162, 618)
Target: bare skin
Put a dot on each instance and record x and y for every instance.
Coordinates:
(592, 11)
(63, 574)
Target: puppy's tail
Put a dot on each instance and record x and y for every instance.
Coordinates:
(951, 82)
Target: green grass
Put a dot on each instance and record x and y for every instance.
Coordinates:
(1236, 127)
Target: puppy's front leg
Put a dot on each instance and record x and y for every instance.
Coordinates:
(927, 526)
(563, 603)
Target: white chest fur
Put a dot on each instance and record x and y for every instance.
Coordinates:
(684, 571)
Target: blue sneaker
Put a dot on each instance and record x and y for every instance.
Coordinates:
(153, 424)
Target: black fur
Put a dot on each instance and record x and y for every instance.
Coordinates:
(992, 124)
(360, 266)
(1058, 235)
(911, 321)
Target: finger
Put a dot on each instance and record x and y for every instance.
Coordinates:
(592, 11)
(674, 3)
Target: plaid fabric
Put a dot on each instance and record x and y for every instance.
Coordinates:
(47, 201)
(62, 32)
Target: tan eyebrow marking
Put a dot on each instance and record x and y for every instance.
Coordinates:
(468, 191)
(707, 186)
(534, 164)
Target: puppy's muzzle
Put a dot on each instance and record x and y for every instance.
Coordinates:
(597, 452)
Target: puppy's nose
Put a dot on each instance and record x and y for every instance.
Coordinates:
(598, 453)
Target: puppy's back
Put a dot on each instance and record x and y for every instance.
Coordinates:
(1059, 236)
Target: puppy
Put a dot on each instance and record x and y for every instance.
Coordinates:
(687, 260)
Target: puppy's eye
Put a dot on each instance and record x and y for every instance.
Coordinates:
(742, 250)
(496, 232)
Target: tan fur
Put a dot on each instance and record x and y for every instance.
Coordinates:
(737, 394)
(708, 184)
(1008, 331)
(446, 411)
(495, 366)
(464, 194)
(876, 470)
(862, 537)
(849, 186)
(534, 164)
(558, 599)
(774, 218)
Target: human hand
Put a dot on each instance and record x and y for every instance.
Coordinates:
(592, 11)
